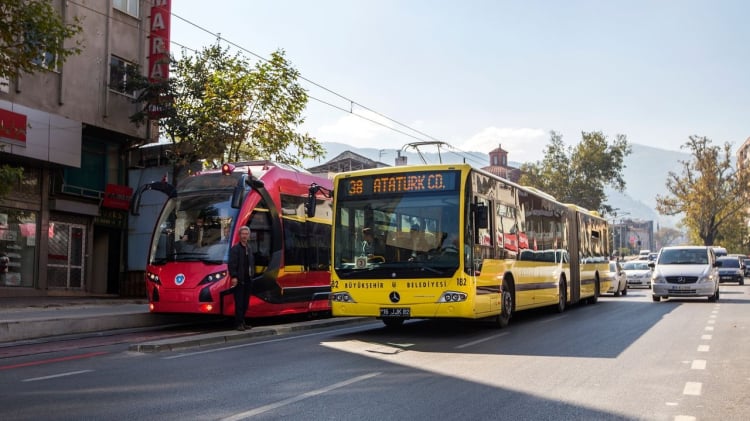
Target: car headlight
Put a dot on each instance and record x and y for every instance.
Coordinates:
(657, 278)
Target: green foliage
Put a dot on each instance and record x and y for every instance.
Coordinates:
(667, 236)
(9, 177)
(709, 192)
(30, 29)
(216, 107)
(579, 174)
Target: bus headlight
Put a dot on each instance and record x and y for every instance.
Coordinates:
(452, 297)
(342, 297)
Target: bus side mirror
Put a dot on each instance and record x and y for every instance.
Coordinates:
(480, 216)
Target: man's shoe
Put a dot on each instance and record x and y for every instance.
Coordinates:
(248, 327)
(241, 327)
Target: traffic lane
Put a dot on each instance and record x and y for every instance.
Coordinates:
(293, 375)
(719, 361)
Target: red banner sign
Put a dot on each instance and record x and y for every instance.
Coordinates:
(12, 125)
(117, 196)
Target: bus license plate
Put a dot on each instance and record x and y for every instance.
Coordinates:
(394, 312)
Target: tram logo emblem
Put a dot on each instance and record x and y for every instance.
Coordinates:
(179, 279)
(394, 297)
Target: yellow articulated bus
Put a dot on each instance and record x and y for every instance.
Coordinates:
(452, 241)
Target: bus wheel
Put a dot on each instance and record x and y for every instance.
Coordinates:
(595, 298)
(503, 319)
(562, 296)
(393, 322)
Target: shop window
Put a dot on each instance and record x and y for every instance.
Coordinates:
(17, 247)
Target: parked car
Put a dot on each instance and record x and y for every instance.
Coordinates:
(747, 266)
(685, 271)
(731, 270)
(638, 273)
(619, 283)
(652, 256)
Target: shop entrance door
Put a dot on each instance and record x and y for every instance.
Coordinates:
(65, 262)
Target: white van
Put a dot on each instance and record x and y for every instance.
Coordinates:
(685, 271)
(643, 254)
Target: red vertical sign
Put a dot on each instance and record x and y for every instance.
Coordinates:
(158, 50)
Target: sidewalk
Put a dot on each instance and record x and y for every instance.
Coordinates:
(28, 318)
(25, 318)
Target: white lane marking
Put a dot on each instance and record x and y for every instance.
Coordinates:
(479, 341)
(552, 319)
(709, 328)
(692, 388)
(711, 322)
(698, 365)
(684, 418)
(713, 316)
(714, 311)
(54, 376)
(703, 348)
(286, 338)
(706, 337)
(279, 404)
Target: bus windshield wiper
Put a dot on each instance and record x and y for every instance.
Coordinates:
(430, 269)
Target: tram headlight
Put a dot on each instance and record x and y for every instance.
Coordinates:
(152, 277)
(214, 277)
(342, 297)
(452, 297)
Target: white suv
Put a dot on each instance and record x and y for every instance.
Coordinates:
(685, 271)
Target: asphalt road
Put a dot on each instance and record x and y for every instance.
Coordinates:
(624, 358)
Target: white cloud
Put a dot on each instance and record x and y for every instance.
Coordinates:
(522, 144)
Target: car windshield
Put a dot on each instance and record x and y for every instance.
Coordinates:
(636, 266)
(729, 263)
(683, 257)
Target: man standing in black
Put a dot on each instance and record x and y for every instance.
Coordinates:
(241, 273)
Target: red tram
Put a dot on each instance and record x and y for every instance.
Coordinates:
(187, 261)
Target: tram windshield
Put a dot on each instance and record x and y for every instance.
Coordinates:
(194, 228)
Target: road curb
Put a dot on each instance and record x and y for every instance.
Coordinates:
(225, 337)
(18, 330)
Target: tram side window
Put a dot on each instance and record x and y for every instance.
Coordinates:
(294, 243)
(319, 251)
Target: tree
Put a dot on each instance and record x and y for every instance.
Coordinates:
(709, 192)
(667, 236)
(32, 35)
(33, 30)
(216, 107)
(579, 174)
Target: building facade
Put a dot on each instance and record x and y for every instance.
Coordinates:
(63, 227)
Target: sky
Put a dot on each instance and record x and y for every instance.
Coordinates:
(482, 73)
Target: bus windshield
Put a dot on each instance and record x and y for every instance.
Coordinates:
(194, 228)
(397, 236)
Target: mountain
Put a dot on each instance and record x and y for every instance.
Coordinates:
(645, 173)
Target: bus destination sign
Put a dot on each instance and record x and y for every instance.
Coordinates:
(405, 183)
